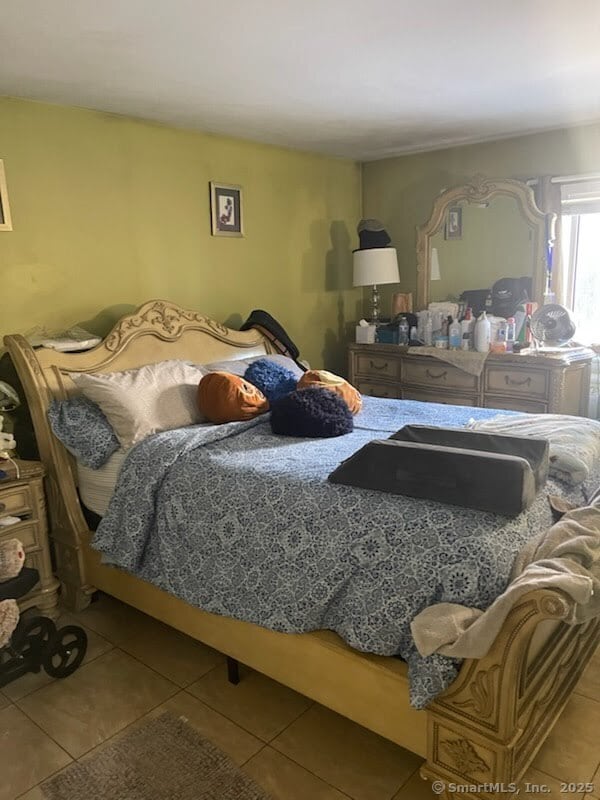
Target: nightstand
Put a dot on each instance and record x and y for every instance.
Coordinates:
(24, 497)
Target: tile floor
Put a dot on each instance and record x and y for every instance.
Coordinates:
(297, 749)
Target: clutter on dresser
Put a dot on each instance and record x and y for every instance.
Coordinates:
(454, 326)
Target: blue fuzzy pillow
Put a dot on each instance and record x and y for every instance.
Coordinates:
(84, 430)
(311, 412)
(273, 380)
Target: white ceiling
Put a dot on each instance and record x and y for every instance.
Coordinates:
(341, 77)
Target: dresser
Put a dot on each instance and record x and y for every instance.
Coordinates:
(557, 383)
(24, 497)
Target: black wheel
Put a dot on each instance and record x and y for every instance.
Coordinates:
(65, 651)
(31, 638)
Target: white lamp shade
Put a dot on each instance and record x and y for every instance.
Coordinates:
(376, 265)
(434, 273)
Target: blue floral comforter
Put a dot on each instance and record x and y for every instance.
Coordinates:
(243, 523)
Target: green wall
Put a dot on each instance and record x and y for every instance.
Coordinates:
(400, 191)
(109, 212)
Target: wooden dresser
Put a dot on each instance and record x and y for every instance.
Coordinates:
(542, 383)
(24, 497)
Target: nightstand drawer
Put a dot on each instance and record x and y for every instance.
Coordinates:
(15, 500)
(25, 532)
(438, 375)
(374, 366)
(528, 382)
(378, 389)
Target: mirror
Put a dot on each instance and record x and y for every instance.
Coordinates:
(479, 233)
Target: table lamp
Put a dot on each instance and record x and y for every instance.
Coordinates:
(375, 266)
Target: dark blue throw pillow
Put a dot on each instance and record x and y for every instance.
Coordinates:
(84, 430)
(311, 412)
(271, 378)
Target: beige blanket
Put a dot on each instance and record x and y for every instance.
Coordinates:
(467, 360)
(574, 442)
(566, 557)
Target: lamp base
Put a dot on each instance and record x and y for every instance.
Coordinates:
(375, 305)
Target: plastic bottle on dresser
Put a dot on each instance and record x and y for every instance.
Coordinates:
(466, 329)
(498, 344)
(510, 334)
(428, 332)
(403, 331)
(454, 335)
(482, 333)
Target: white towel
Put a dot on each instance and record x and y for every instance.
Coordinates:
(566, 557)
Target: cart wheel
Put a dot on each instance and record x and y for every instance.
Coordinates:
(31, 638)
(65, 652)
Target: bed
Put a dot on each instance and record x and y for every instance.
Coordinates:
(485, 728)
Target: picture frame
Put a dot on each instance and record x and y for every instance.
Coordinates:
(226, 213)
(5, 218)
(454, 223)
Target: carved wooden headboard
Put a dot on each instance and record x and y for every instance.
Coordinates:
(157, 331)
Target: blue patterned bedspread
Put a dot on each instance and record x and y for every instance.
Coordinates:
(243, 523)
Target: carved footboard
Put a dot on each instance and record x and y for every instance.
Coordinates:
(486, 728)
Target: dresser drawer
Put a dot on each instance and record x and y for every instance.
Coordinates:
(374, 366)
(26, 532)
(526, 382)
(437, 374)
(440, 397)
(378, 389)
(515, 404)
(15, 500)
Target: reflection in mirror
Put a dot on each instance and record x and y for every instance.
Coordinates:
(476, 235)
(496, 242)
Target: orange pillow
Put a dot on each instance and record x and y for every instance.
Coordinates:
(223, 397)
(327, 380)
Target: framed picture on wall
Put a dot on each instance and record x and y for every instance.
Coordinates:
(5, 221)
(454, 223)
(226, 209)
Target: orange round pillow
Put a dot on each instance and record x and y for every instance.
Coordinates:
(327, 380)
(223, 397)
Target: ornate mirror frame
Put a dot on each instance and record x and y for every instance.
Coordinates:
(482, 190)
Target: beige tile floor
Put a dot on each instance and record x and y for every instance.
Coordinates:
(297, 749)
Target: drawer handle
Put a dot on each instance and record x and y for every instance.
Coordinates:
(510, 382)
(373, 365)
(439, 376)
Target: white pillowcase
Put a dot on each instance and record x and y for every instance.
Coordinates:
(239, 366)
(139, 402)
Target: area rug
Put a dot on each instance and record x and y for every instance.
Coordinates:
(162, 759)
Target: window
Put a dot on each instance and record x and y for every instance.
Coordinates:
(580, 213)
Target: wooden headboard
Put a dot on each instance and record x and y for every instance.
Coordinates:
(156, 331)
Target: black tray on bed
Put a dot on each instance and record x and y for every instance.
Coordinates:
(489, 472)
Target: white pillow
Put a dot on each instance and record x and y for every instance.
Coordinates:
(139, 402)
(239, 366)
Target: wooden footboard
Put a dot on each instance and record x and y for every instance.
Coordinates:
(486, 728)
